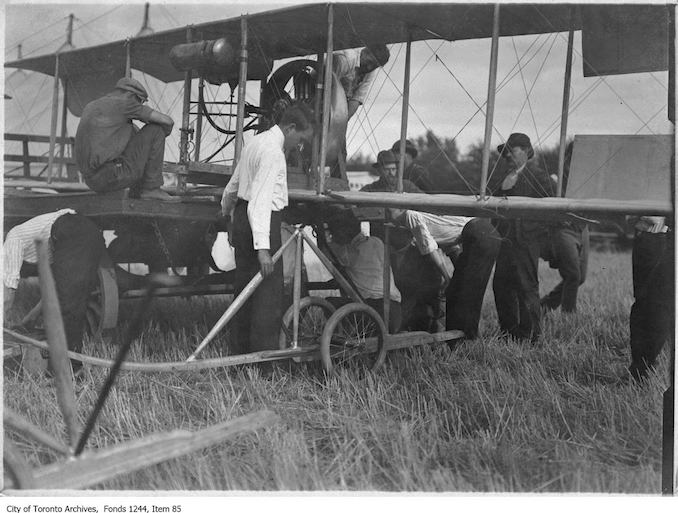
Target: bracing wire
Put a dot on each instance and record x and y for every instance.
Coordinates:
(14, 46)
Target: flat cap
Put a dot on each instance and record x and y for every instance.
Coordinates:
(134, 86)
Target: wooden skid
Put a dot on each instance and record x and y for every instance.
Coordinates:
(96, 466)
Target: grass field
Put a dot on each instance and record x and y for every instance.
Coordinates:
(490, 416)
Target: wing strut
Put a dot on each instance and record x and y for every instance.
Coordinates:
(405, 112)
(327, 97)
(55, 115)
(242, 86)
(491, 93)
(566, 108)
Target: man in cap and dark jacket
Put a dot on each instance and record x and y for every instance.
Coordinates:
(516, 284)
(414, 172)
(112, 153)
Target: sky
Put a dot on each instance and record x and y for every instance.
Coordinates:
(449, 80)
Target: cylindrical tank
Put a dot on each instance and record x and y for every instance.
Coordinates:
(215, 60)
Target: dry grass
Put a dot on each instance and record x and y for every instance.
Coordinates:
(490, 416)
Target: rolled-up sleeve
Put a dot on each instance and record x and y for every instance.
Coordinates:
(13, 259)
(422, 236)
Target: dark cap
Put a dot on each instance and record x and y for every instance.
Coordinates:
(385, 157)
(409, 148)
(133, 86)
(517, 140)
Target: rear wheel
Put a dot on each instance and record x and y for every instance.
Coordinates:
(103, 303)
(355, 332)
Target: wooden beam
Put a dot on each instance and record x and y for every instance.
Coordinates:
(242, 88)
(564, 112)
(327, 97)
(405, 112)
(491, 94)
(186, 108)
(317, 113)
(59, 363)
(238, 301)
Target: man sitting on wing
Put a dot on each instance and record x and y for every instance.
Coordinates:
(112, 153)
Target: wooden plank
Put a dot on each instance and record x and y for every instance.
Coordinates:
(97, 466)
(38, 138)
(40, 159)
(59, 363)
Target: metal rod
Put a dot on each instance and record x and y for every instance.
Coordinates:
(327, 96)
(298, 254)
(565, 110)
(58, 347)
(242, 87)
(343, 283)
(238, 301)
(198, 125)
(491, 93)
(387, 277)
(317, 109)
(55, 115)
(405, 112)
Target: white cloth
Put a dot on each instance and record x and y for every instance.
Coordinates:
(430, 230)
(345, 64)
(363, 261)
(260, 178)
(19, 246)
(651, 224)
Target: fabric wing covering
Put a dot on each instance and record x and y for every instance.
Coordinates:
(300, 31)
(621, 167)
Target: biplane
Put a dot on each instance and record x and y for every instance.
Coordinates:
(242, 53)
(610, 175)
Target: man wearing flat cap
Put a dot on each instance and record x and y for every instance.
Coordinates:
(414, 172)
(112, 153)
(516, 284)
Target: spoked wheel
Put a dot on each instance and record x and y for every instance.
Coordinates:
(313, 315)
(354, 332)
(102, 307)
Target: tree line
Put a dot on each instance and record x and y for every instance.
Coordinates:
(459, 173)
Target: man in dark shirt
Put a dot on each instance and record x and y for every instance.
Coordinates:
(414, 172)
(112, 153)
(516, 283)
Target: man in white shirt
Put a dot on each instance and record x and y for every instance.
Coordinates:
(356, 68)
(75, 246)
(254, 198)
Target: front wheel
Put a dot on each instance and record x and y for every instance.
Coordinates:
(354, 332)
(313, 315)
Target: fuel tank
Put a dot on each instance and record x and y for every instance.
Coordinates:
(217, 61)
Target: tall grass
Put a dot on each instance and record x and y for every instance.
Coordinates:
(489, 416)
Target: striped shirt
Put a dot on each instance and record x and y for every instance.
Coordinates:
(430, 230)
(20, 246)
(260, 178)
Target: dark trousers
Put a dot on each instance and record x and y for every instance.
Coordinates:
(652, 316)
(77, 247)
(569, 253)
(139, 166)
(394, 316)
(418, 282)
(259, 320)
(480, 245)
(516, 287)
